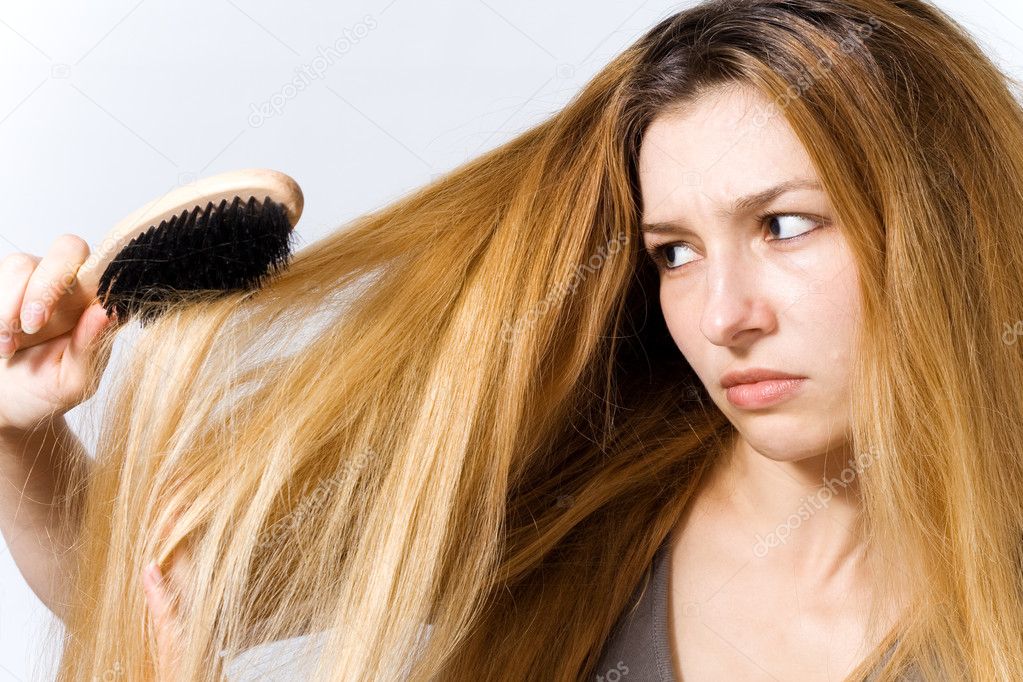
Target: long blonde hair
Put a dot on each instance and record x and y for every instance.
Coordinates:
(464, 409)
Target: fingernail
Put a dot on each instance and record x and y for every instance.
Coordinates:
(153, 571)
(31, 315)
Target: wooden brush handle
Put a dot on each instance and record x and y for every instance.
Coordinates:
(250, 182)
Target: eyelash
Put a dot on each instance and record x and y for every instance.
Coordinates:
(656, 251)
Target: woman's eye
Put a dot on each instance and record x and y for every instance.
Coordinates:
(779, 224)
(662, 254)
(782, 227)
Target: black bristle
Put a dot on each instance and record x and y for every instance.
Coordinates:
(228, 247)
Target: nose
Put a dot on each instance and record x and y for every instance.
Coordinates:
(737, 307)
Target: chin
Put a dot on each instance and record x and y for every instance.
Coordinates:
(791, 437)
(780, 435)
(780, 451)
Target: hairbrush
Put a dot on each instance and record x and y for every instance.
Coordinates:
(227, 232)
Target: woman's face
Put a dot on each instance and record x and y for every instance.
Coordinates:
(741, 292)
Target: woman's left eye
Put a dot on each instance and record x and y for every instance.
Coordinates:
(782, 222)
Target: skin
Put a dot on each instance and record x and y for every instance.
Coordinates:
(735, 299)
(164, 618)
(42, 382)
(735, 296)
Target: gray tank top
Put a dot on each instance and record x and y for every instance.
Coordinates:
(639, 647)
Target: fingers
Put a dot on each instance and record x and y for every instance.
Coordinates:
(53, 277)
(164, 621)
(15, 271)
(179, 561)
(157, 589)
(92, 322)
(31, 287)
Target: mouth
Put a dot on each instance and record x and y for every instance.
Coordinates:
(763, 393)
(760, 387)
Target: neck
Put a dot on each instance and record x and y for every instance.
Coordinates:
(803, 515)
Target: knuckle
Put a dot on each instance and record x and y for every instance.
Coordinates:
(72, 243)
(46, 286)
(18, 262)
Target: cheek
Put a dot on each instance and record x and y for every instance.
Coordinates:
(678, 316)
(682, 311)
(825, 322)
(829, 309)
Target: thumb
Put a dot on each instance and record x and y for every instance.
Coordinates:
(75, 375)
(92, 322)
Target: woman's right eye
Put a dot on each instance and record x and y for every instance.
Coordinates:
(657, 253)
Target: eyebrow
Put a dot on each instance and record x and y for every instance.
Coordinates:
(743, 204)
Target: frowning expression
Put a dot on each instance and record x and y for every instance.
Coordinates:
(754, 270)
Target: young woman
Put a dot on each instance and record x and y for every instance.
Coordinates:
(712, 375)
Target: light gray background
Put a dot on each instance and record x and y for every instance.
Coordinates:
(105, 106)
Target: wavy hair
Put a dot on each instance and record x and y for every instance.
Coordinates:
(464, 409)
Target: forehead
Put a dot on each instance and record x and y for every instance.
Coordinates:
(729, 142)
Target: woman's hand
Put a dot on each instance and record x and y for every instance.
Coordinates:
(165, 622)
(158, 591)
(48, 378)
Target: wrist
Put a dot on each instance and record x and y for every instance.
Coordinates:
(16, 433)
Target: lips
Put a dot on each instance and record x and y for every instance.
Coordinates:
(753, 375)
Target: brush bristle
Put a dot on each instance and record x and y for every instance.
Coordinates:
(227, 247)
